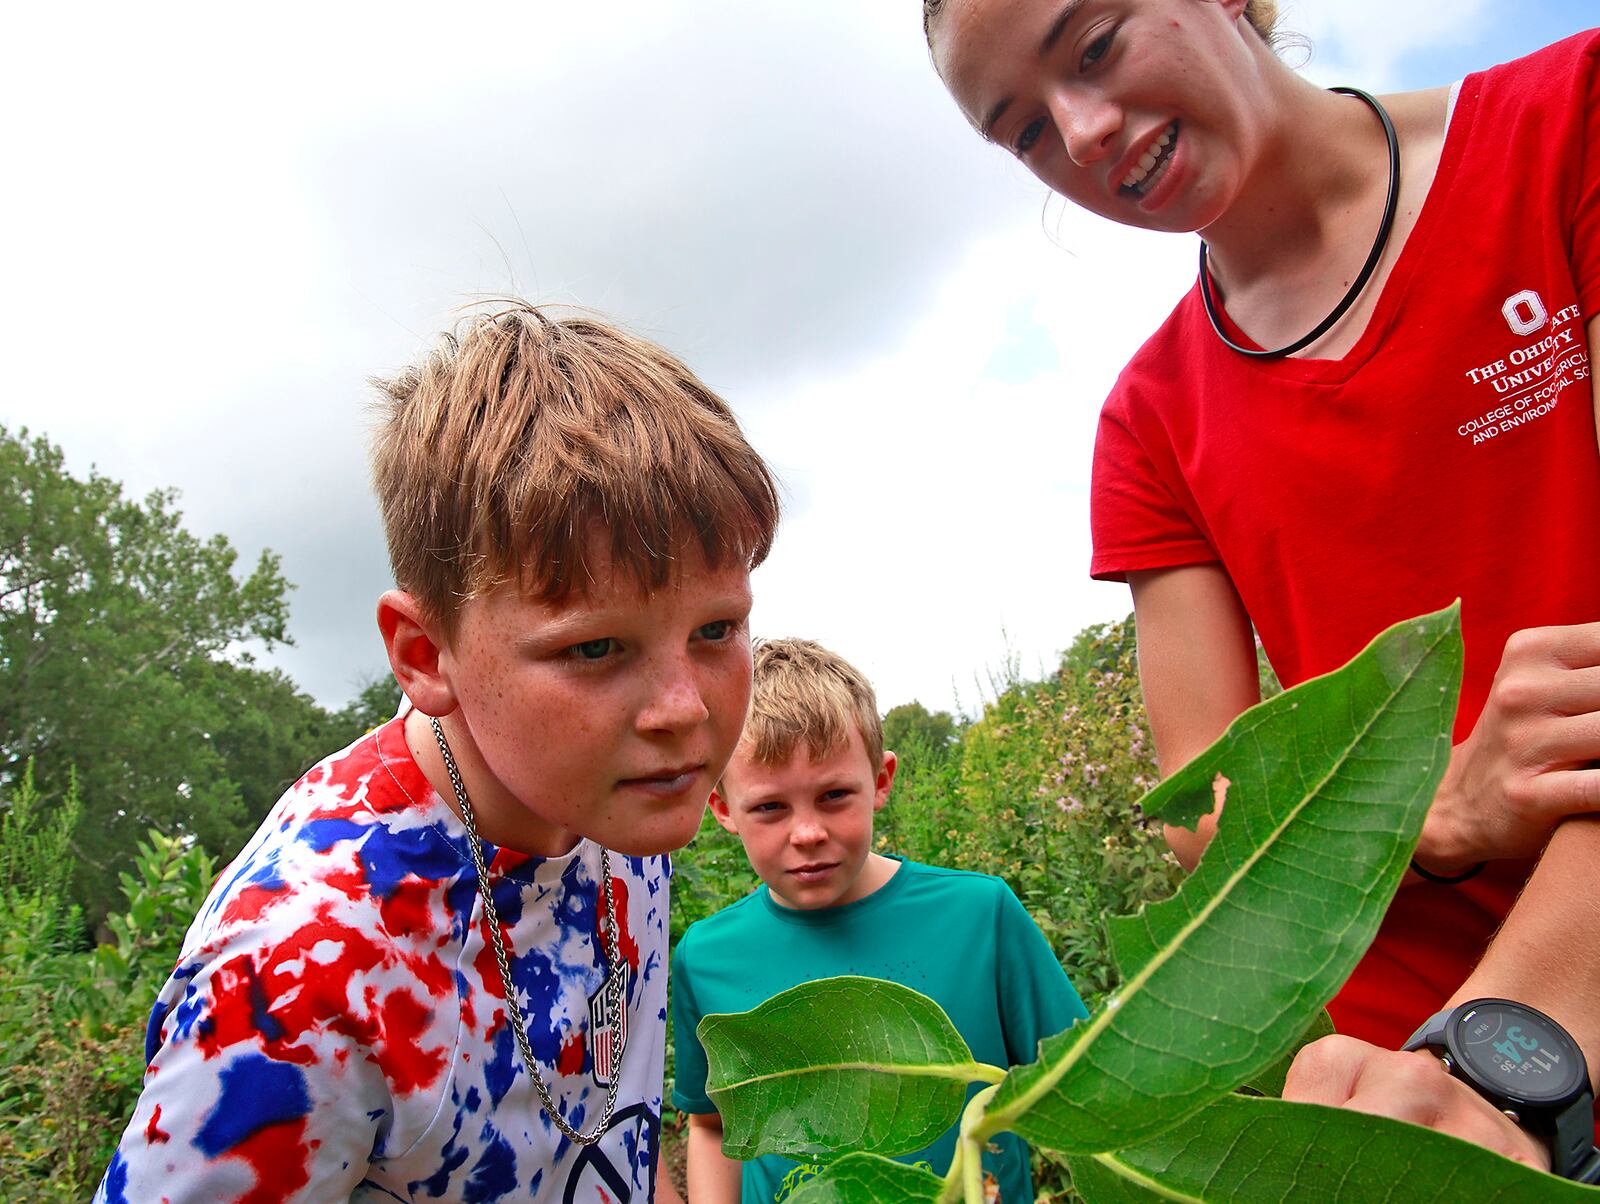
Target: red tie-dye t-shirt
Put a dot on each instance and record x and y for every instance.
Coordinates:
(336, 1026)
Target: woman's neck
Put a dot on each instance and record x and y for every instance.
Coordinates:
(1314, 180)
(1288, 249)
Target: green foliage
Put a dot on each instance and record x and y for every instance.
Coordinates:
(125, 656)
(71, 1018)
(170, 879)
(376, 700)
(868, 1179)
(912, 726)
(1326, 787)
(1239, 1148)
(1270, 1080)
(836, 1063)
(36, 843)
(112, 617)
(1043, 790)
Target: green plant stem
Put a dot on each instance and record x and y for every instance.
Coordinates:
(964, 1181)
(951, 1191)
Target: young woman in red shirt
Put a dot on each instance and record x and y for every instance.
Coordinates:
(1376, 399)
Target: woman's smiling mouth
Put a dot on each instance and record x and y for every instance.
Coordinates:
(1152, 163)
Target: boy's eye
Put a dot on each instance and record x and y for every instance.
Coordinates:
(1096, 50)
(833, 796)
(593, 650)
(1029, 136)
(722, 629)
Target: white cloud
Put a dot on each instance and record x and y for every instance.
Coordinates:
(1366, 41)
(223, 219)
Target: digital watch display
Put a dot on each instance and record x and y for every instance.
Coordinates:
(1527, 1065)
(1523, 1053)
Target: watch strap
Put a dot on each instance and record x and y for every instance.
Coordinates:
(1431, 1033)
(1572, 1150)
(1590, 1171)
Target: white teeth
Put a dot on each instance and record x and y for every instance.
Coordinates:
(1152, 156)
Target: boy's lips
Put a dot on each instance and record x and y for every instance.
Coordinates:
(814, 871)
(666, 783)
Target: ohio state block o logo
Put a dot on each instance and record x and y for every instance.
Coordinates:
(1524, 312)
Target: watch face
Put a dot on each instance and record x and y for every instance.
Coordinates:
(1517, 1052)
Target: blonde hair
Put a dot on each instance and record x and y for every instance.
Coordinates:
(806, 696)
(1263, 18)
(522, 436)
(1262, 15)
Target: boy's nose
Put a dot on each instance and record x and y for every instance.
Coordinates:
(676, 704)
(808, 831)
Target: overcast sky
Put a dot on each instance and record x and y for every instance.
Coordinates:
(220, 221)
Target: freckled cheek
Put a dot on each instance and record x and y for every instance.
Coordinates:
(727, 697)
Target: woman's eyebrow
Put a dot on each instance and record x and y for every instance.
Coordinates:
(1063, 18)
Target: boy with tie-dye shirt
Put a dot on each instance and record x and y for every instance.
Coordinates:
(437, 970)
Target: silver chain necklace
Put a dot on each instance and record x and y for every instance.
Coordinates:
(615, 983)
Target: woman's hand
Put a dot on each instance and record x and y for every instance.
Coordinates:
(1343, 1072)
(1532, 760)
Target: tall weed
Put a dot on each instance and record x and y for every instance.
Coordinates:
(71, 1017)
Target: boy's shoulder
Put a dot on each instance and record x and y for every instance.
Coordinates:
(744, 913)
(965, 885)
(958, 879)
(917, 892)
(359, 832)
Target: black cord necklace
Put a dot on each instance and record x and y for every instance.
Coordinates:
(1362, 277)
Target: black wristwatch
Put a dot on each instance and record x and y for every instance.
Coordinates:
(1527, 1065)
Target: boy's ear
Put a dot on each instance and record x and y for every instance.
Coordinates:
(720, 809)
(885, 782)
(413, 643)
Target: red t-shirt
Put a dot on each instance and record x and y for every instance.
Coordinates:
(1451, 453)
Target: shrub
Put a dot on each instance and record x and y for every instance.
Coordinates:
(72, 1018)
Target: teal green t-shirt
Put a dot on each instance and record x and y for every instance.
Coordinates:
(962, 939)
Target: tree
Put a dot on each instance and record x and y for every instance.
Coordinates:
(126, 643)
(912, 725)
(374, 704)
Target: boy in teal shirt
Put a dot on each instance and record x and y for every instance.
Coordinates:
(807, 777)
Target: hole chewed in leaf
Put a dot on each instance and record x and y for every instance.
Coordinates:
(1219, 789)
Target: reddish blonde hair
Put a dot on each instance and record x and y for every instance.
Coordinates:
(522, 435)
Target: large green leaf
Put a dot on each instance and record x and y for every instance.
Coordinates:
(1241, 1150)
(1270, 1081)
(867, 1179)
(840, 1063)
(1326, 787)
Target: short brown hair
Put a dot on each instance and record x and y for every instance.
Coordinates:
(805, 695)
(522, 434)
